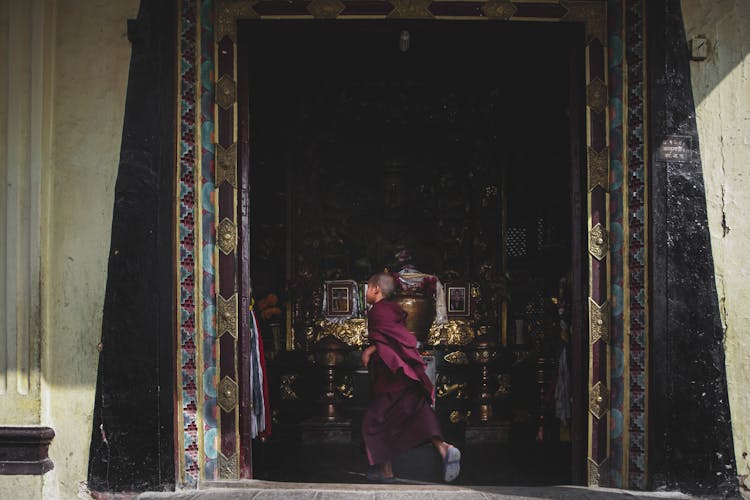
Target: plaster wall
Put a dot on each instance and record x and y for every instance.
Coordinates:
(19, 213)
(721, 89)
(90, 81)
(76, 105)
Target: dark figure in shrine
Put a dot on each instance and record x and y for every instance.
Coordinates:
(399, 416)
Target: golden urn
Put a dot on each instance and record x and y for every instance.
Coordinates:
(420, 312)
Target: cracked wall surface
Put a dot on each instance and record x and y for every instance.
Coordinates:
(722, 95)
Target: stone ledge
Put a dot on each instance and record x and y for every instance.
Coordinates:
(24, 450)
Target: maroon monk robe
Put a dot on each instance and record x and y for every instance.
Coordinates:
(399, 416)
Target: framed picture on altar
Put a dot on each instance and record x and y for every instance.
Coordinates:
(458, 300)
(339, 298)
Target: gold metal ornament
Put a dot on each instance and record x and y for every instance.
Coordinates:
(521, 356)
(286, 390)
(226, 165)
(597, 95)
(457, 417)
(447, 388)
(599, 400)
(227, 315)
(499, 9)
(599, 321)
(452, 332)
(352, 332)
(457, 358)
(346, 388)
(411, 9)
(503, 385)
(597, 473)
(229, 466)
(227, 14)
(226, 92)
(598, 242)
(309, 333)
(325, 9)
(599, 168)
(227, 236)
(227, 395)
(593, 13)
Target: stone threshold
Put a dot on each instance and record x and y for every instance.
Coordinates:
(406, 490)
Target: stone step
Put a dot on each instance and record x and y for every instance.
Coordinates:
(268, 490)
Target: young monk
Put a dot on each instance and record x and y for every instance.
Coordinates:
(399, 416)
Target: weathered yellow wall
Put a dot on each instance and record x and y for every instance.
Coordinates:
(84, 58)
(722, 95)
(91, 75)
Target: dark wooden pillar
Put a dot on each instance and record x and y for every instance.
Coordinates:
(132, 445)
(690, 429)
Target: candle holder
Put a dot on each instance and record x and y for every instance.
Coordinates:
(329, 427)
(482, 352)
(485, 428)
(329, 353)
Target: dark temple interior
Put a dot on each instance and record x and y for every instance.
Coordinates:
(460, 143)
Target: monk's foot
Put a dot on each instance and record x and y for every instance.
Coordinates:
(378, 475)
(451, 464)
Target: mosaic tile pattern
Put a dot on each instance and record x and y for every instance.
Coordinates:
(637, 260)
(186, 192)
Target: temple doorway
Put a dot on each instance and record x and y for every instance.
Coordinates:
(451, 147)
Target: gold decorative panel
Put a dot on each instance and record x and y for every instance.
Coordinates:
(229, 466)
(352, 332)
(599, 168)
(453, 332)
(227, 395)
(411, 9)
(597, 95)
(226, 165)
(599, 400)
(227, 315)
(325, 9)
(227, 236)
(499, 9)
(598, 242)
(599, 321)
(226, 92)
(593, 13)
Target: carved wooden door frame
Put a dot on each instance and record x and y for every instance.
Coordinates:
(213, 442)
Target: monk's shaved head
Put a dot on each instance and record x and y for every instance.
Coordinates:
(385, 282)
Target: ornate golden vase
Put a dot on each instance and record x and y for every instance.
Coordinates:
(420, 312)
